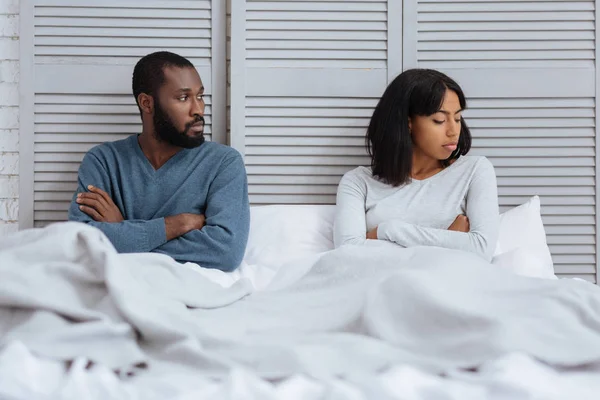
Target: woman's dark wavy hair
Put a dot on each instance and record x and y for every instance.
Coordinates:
(389, 143)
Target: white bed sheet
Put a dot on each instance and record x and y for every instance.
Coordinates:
(514, 377)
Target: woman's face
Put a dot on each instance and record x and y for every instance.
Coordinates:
(436, 136)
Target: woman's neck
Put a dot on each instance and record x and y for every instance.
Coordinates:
(423, 166)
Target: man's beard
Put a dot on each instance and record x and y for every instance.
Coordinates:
(166, 131)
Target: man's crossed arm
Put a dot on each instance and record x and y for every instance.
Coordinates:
(216, 239)
(101, 208)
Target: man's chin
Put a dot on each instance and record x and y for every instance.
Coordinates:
(193, 141)
(185, 141)
(195, 132)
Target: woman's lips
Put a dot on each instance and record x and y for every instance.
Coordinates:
(450, 147)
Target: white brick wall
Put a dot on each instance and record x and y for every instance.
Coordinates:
(9, 115)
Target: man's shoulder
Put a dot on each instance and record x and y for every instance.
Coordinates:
(221, 149)
(111, 150)
(218, 153)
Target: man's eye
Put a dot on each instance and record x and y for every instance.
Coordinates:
(182, 98)
(200, 97)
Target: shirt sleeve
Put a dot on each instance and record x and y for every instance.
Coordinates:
(350, 224)
(221, 243)
(129, 236)
(481, 209)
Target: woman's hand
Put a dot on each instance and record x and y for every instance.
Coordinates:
(372, 234)
(460, 224)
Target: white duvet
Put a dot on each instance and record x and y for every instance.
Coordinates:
(352, 315)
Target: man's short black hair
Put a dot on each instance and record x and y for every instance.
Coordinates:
(149, 75)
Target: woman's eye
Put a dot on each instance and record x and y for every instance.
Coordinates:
(457, 121)
(438, 121)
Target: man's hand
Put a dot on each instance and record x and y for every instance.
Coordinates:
(372, 234)
(97, 204)
(180, 224)
(460, 224)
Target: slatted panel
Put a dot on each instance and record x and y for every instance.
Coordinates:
(82, 121)
(84, 58)
(327, 34)
(314, 72)
(528, 68)
(298, 148)
(475, 34)
(586, 277)
(100, 33)
(556, 159)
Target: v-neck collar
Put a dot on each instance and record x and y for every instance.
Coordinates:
(155, 173)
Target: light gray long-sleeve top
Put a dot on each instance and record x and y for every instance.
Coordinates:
(420, 212)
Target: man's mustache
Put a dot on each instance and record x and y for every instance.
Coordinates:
(198, 118)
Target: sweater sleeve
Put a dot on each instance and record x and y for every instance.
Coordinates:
(481, 209)
(221, 243)
(129, 236)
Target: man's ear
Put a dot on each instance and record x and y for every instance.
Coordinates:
(146, 103)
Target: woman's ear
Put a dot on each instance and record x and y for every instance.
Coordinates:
(410, 126)
(146, 103)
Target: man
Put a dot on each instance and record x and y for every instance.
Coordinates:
(167, 190)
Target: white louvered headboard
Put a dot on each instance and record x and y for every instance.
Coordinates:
(311, 73)
(83, 54)
(303, 80)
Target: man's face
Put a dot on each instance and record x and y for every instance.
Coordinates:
(179, 108)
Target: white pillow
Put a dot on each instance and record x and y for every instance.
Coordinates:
(525, 262)
(282, 233)
(521, 244)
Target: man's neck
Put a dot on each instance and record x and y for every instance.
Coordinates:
(157, 152)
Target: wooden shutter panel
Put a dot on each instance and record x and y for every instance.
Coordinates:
(306, 76)
(528, 68)
(83, 58)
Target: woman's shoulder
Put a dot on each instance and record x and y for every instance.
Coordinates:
(474, 166)
(359, 173)
(359, 177)
(475, 162)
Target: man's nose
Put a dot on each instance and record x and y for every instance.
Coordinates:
(197, 107)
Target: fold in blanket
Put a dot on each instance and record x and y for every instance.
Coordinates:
(66, 293)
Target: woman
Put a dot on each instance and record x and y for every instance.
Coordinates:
(421, 189)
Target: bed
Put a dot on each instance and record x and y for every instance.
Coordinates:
(297, 320)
